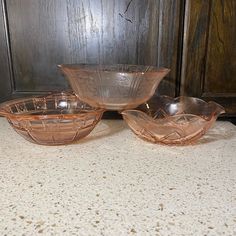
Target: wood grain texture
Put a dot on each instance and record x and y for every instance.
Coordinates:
(5, 81)
(168, 48)
(45, 33)
(209, 56)
(195, 43)
(221, 54)
(37, 30)
(220, 78)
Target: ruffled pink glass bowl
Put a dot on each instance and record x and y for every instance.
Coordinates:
(59, 118)
(114, 87)
(177, 121)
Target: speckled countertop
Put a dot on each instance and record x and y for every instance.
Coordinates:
(113, 183)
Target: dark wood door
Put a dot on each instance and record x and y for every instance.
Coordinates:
(5, 76)
(194, 38)
(209, 56)
(45, 33)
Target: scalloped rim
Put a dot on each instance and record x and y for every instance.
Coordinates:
(177, 99)
(184, 141)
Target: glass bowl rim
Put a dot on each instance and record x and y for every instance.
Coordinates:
(25, 116)
(95, 67)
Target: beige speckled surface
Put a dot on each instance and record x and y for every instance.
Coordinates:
(113, 183)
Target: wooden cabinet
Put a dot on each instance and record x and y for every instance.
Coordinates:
(5, 65)
(45, 33)
(195, 38)
(209, 52)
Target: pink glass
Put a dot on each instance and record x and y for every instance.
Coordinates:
(59, 118)
(168, 120)
(114, 87)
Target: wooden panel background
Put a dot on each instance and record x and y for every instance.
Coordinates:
(194, 49)
(195, 38)
(5, 80)
(46, 33)
(221, 53)
(209, 55)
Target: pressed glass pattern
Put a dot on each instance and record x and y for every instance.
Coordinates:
(58, 118)
(114, 87)
(169, 120)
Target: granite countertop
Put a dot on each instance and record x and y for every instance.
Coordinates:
(113, 183)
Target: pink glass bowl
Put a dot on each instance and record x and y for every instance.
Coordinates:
(59, 118)
(114, 87)
(177, 121)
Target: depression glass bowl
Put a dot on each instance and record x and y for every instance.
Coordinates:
(55, 119)
(114, 87)
(177, 121)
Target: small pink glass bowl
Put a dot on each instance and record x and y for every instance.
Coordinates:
(176, 121)
(55, 119)
(114, 87)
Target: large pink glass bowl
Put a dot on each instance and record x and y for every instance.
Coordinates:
(177, 121)
(114, 87)
(55, 119)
